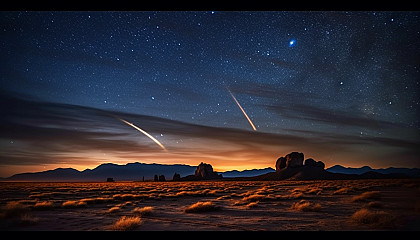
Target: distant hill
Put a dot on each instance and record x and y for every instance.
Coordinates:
(409, 172)
(139, 171)
(247, 173)
(129, 172)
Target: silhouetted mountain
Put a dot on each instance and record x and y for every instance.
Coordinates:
(61, 174)
(409, 172)
(129, 172)
(247, 173)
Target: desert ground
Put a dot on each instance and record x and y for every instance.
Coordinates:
(333, 205)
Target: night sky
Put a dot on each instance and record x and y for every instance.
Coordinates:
(341, 87)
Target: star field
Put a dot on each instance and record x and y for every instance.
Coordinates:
(322, 75)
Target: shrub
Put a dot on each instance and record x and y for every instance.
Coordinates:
(43, 205)
(14, 209)
(305, 206)
(251, 205)
(366, 196)
(144, 211)
(114, 209)
(201, 207)
(73, 204)
(127, 223)
(27, 219)
(369, 217)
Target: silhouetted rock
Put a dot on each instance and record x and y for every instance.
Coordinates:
(294, 159)
(280, 163)
(176, 177)
(313, 163)
(110, 179)
(320, 164)
(156, 178)
(162, 178)
(203, 171)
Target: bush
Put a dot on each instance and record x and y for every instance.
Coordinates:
(305, 206)
(201, 207)
(43, 205)
(144, 211)
(14, 209)
(369, 217)
(366, 196)
(127, 223)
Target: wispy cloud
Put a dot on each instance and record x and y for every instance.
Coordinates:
(39, 133)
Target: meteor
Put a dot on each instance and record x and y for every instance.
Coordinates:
(144, 132)
(243, 111)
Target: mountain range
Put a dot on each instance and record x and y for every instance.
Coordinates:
(128, 172)
(143, 171)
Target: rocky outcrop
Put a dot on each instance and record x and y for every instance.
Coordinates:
(294, 159)
(313, 163)
(176, 177)
(204, 171)
(280, 163)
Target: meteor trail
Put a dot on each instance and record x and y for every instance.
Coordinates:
(144, 132)
(243, 111)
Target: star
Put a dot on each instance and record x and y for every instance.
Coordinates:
(292, 42)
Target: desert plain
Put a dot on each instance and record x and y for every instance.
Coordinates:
(315, 205)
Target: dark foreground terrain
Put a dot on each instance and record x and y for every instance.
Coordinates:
(331, 205)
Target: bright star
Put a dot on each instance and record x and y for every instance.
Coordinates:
(292, 42)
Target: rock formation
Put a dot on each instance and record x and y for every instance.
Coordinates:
(204, 171)
(281, 163)
(311, 162)
(176, 177)
(295, 160)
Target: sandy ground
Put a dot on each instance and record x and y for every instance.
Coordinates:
(334, 205)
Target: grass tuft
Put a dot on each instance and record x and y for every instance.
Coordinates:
(305, 206)
(367, 196)
(127, 223)
(201, 207)
(369, 217)
(144, 211)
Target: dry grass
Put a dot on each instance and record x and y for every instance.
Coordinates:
(114, 209)
(127, 223)
(251, 205)
(343, 190)
(369, 217)
(144, 211)
(201, 207)
(367, 196)
(306, 206)
(27, 219)
(14, 209)
(73, 204)
(45, 205)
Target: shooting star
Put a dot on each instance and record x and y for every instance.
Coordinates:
(144, 132)
(243, 111)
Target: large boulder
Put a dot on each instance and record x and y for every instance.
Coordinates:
(205, 171)
(280, 163)
(313, 163)
(294, 160)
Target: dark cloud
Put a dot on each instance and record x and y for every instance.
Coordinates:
(43, 132)
(330, 117)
